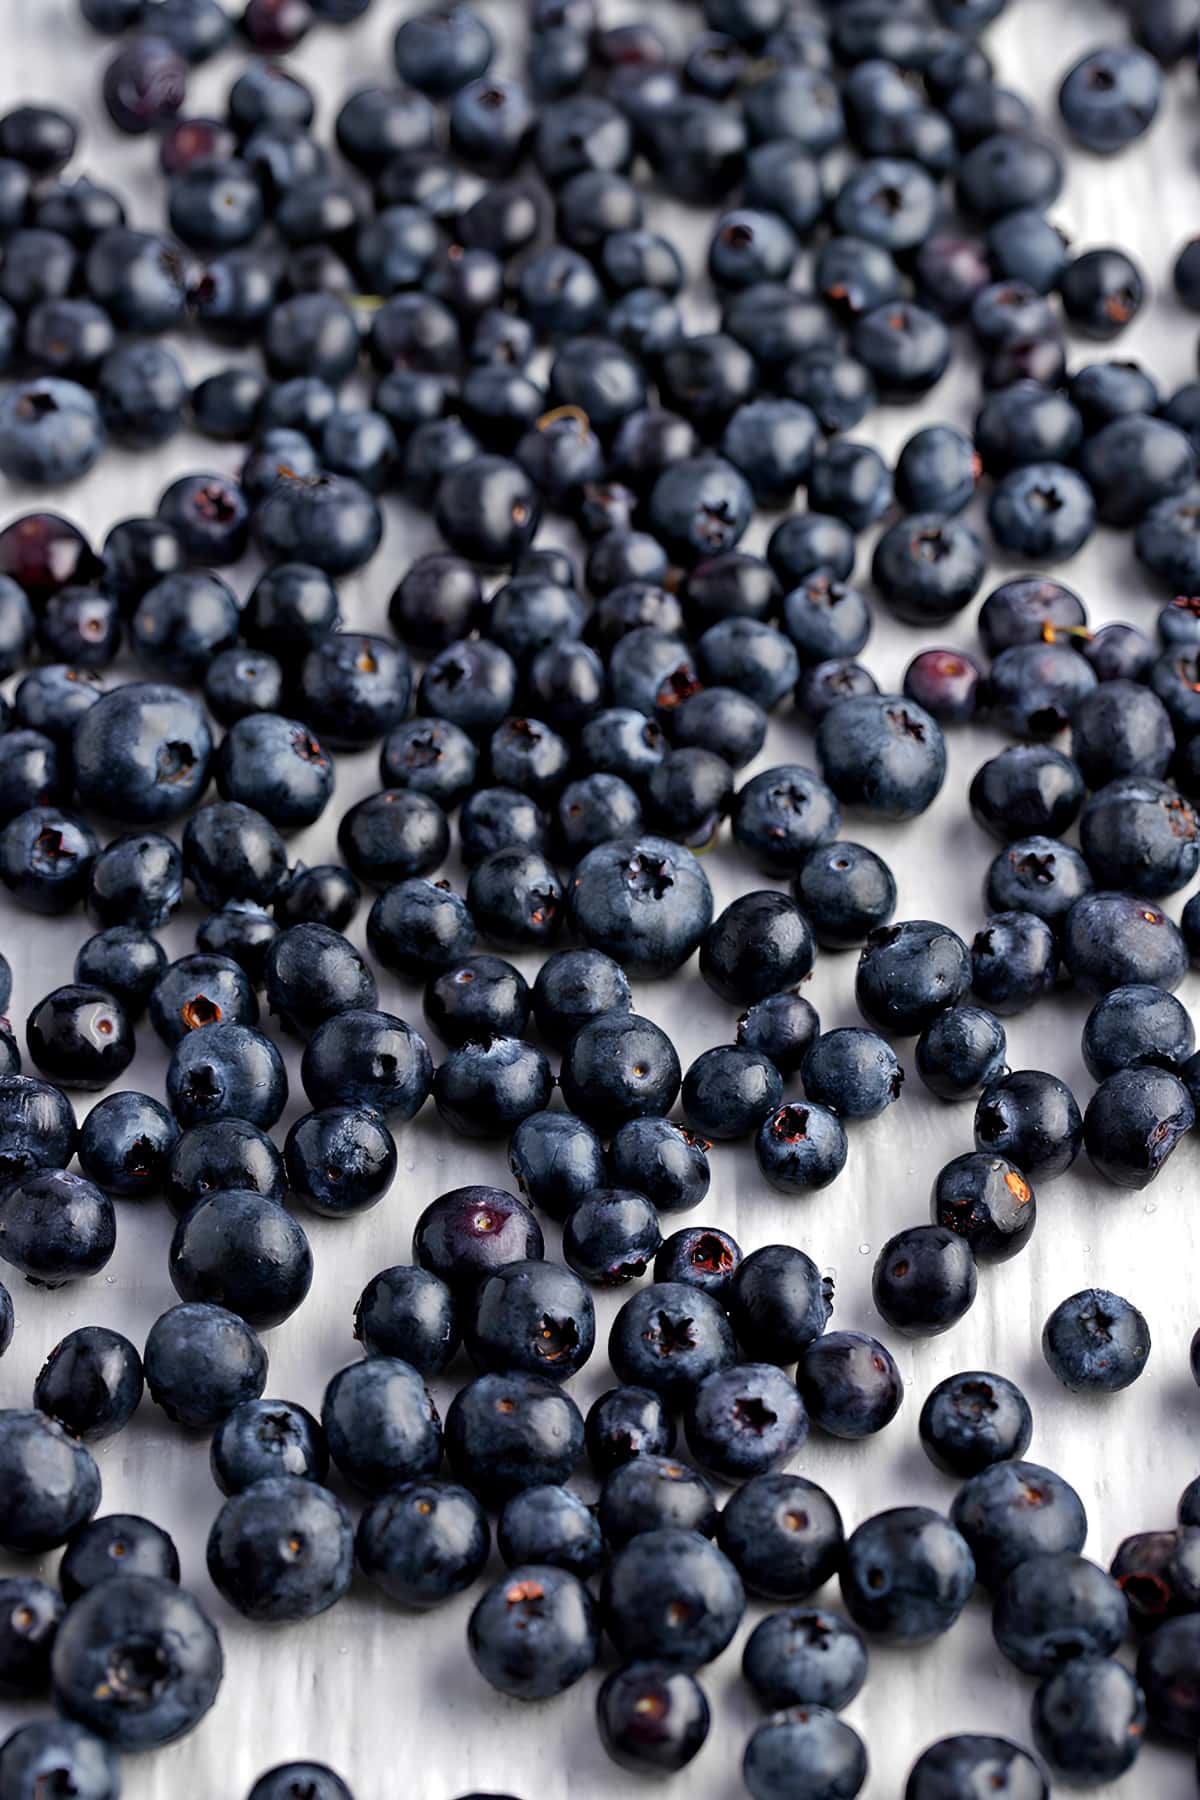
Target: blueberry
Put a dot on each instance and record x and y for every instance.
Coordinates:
(262, 1439)
(485, 1089)
(649, 1492)
(779, 817)
(532, 1317)
(550, 1525)
(729, 1091)
(1089, 1720)
(1014, 961)
(1014, 1510)
(226, 1071)
(506, 1433)
(619, 1067)
(58, 1750)
(1024, 423)
(883, 753)
(970, 1421)
(1036, 876)
(241, 683)
(800, 1146)
(51, 1487)
(937, 471)
(782, 1027)
(328, 520)
(534, 1632)
(949, 1769)
(125, 1144)
(515, 898)
(652, 1719)
(30, 1614)
(279, 1783)
(117, 1544)
(326, 895)
(961, 1052)
(908, 1574)
(1095, 1342)
(1156, 458)
(850, 1384)
(948, 685)
(668, 1337)
(381, 1425)
(745, 1421)
(910, 972)
(651, 1579)
(231, 852)
(1136, 1027)
(314, 973)
(50, 431)
(1111, 97)
(805, 1657)
(624, 1424)
(1042, 510)
(281, 1550)
(423, 1542)
(56, 1227)
(470, 1232)
(699, 1256)
(1163, 1662)
(141, 753)
(1114, 940)
(1056, 1607)
(198, 991)
(1140, 835)
(805, 1749)
(243, 1249)
(611, 1236)
(853, 1072)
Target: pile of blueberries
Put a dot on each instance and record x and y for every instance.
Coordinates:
(479, 243)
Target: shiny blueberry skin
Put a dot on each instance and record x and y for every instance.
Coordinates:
(429, 756)
(908, 973)
(987, 1201)
(1033, 1119)
(853, 1072)
(409, 1313)
(506, 1433)
(651, 1492)
(1096, 1342)
(961, 1052)
(141, 753)
(908, 1574)
(534, 1633)
(223, 1153)
(30, 1614)
(949, 1769)
(611, 1236)
(231, 852)
(201, 990)
(650, 1578)
(745, 1421)
(279, 1783)
(759, 944)
(972, 1420)
(423, 1542)
(352, 688)
(699, 1256)
(850, 1384)
(805, 1657)
(1114, 940)
(136, 880)
(652, 1720)
(805, 1749)
(281, 1550)
(243, 931)
(645, 901)
(557, 1161)
(56, 1227)
(1014, 1510)
(668, 1337)
(267, 1438)
(1140, 835)
(470, 1232)
(882, 752)
(46, 858)
(783, 1534)
(477, 998)
(116, 1544)
(226, 1071)
(1056, 1607)
(325, 895)
(779, 817)
(125, 1144)
(51, 1486)
(551, 1525)
(626, 1423)
(1028, 790)
(728, 1092)
(381, 1425)
(800, 1146)
(1162, 1662)
(1037, 875)
(619, 1067)
(484, 1089)
(1088, 1721)
(312, 974)
(1014, 961)
(1110, 97)
(58, 1750)
(531, 1317)
(244, 1250)
(1136, 1027)
(275, 765)
(340, 1160)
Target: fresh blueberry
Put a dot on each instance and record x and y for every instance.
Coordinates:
(485, 1088)
(141, 753)
(58, 1750)
(650, 1492)
(281, 1550)
(652, 1719)
(1088, 1721)
(51, 1486)
(624, 1424)
(1095, 1342)
(988, 1202)
(30, 1614)
(728, 1092)
(850, 1384)
(805, 1657)
(534, 1633)
(970, 1421)
(423, 1542)
(780, 816)
(960, 1052)
(226, 1071)
(1113, 940)
(805, 1749)
(280, 1783)
(117, 1544)
(1111, 97)
(924, 1280)
(263, 1439)
(198, 991)
(1014, 1510)
(655, 1575)
(951, 1767)
(242, 1249)
(883, 753)
(506, 1433)
(381, 1425)
(470, 1232)
(745, 1421)
(1014, 961)
(619, 1067)
(668, 1337)
(125, 1144)
(1057, 1607)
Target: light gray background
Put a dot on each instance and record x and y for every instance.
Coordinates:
(392, 1700)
